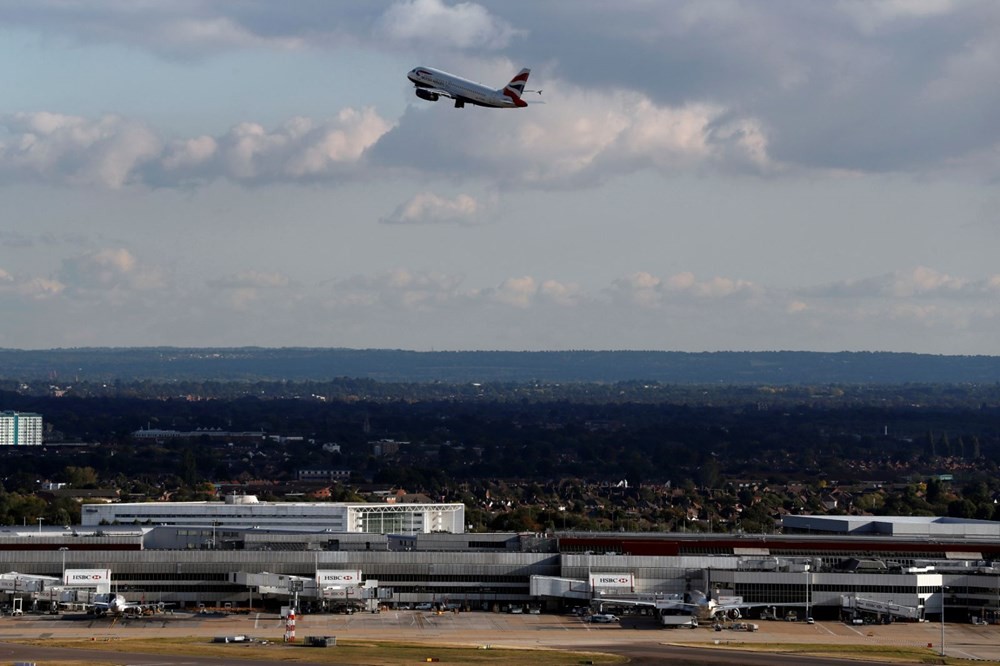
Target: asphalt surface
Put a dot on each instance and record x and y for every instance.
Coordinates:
(640, 639)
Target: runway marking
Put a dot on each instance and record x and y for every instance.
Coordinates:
(968, 655)
(849, 627)
(829, 631)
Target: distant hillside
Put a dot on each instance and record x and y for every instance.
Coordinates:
(301, 364)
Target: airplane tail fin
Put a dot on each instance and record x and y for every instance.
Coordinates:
(515, 89)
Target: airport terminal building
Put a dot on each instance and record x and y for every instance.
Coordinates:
(877, 568)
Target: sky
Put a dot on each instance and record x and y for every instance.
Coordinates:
(710, 175)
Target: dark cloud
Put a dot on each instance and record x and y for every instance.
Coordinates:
(862, 86)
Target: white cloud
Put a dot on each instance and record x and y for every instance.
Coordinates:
(923, 281)
(917, 283)
(113, 152)
(561, 293)
(429, 208)
(432, 23)
(32, 288)
(54, 147)
(889, 85)
(518, 292)
(302, 149)
(189, 153)
(248, 290)
(577, 138)
(404, 308)
(109, 270)
(649, 291)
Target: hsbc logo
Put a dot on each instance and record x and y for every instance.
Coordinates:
(339, 577)
(87, 576)
(612, 580)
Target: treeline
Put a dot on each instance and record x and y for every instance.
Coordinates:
(310, 364)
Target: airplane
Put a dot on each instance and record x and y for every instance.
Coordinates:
(117, 605)
(694, 604)
(432, 84)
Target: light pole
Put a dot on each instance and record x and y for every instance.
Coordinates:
(808, 580)
(943, 588)
(63, 551)
(40, 519)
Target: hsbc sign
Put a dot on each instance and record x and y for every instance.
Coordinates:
(612, 580)
(87, 577)
(330, 577)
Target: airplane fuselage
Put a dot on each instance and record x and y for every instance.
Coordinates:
(432, 83)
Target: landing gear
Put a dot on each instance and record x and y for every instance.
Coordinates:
(459, 103)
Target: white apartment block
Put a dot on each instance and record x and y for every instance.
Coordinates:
(244, 511)
(20, 429)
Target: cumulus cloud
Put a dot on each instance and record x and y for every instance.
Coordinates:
(678, 311)
(300, 150)
(518, 292)
(649, 291)
(463, 25)
(107, 270)
(32, 288)
(577, 138)
(562, 293)
(54, 147)
(246, 290)
(114, 152)
(422, 309)
(894, 85)
(917, 283)
(429, 208)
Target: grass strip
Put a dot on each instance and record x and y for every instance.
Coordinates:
(374, 653)
(893, 653)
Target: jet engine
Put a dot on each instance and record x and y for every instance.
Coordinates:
(733, 613)
(426, 94)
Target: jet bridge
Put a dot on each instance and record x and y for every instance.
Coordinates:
(856, 604)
